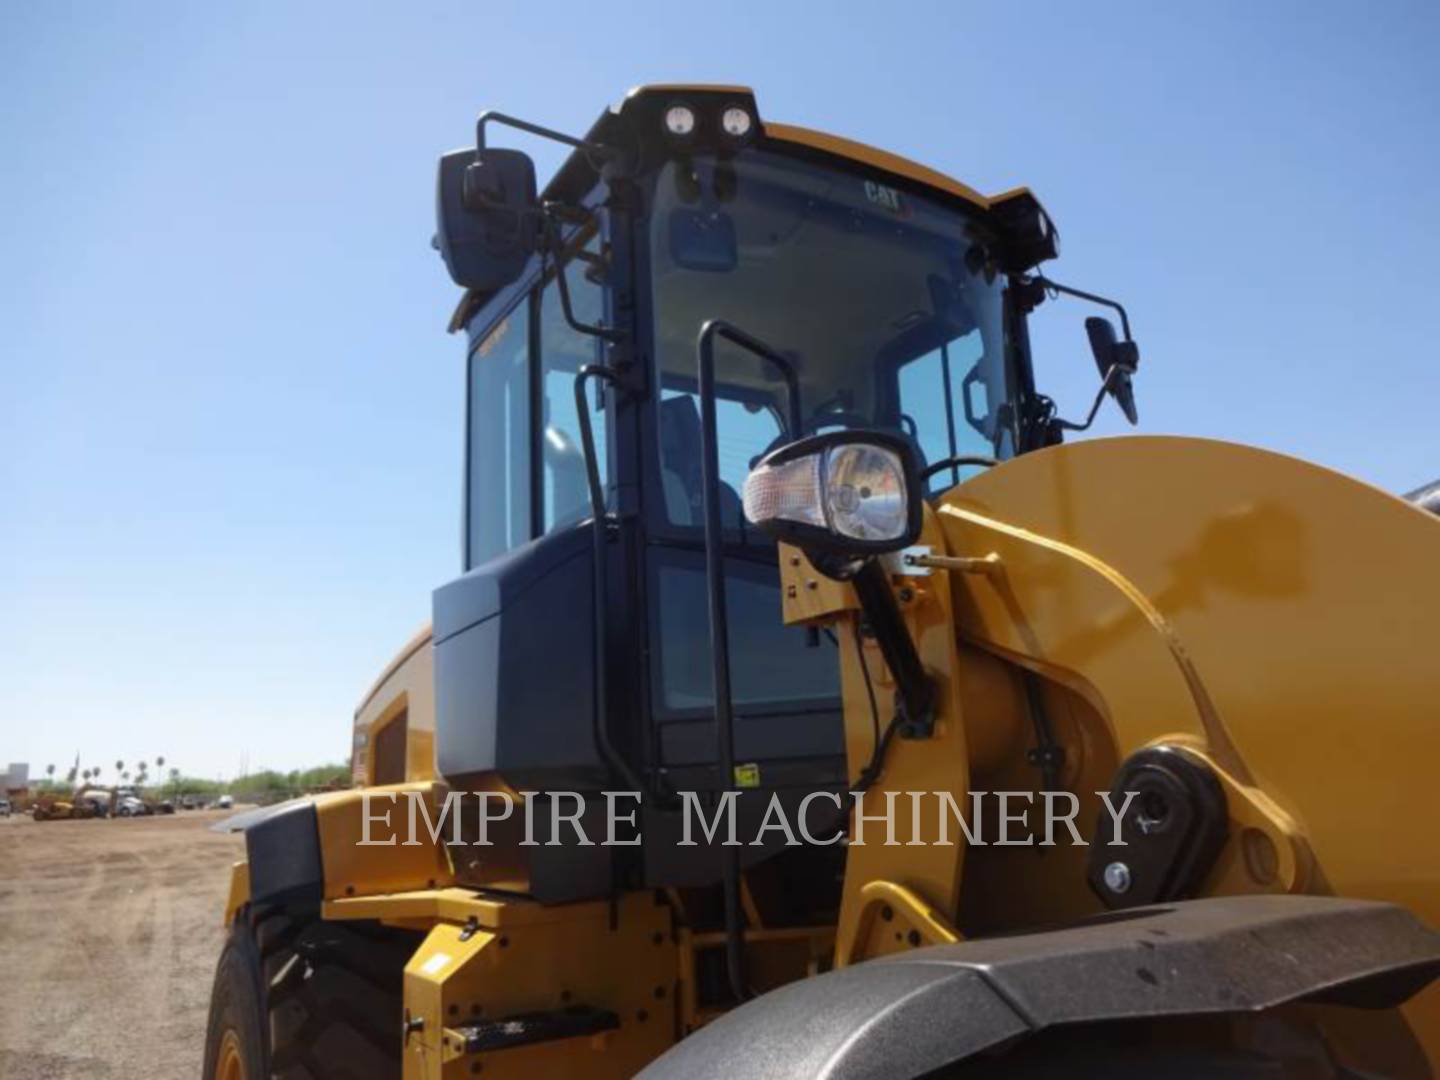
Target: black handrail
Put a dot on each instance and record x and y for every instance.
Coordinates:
(600, 526)
(719, 619)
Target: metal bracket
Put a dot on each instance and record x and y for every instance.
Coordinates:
(965, 564)
(907, 562)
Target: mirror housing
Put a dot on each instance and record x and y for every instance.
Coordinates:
(487, 216)
(1117, 361)
(843, 495)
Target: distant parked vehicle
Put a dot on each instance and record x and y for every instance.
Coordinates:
(4, 807)
(86, 802)
(164, 806)
(132, 806)
(225, 802)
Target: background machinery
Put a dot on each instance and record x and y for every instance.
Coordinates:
(763, 507)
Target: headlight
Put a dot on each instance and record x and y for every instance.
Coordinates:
(845, 492)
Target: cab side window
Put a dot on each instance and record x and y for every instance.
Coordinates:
(565, 497)
(947, 402)
(498, 462)
(526, 463)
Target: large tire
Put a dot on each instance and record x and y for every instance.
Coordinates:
(297, 998)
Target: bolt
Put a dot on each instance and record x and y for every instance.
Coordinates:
(1117, 877)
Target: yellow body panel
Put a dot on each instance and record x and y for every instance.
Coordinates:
(939, 763)
(404, 692)
(238, 894)
(622, 959)
(1276, 616)
(353, 867)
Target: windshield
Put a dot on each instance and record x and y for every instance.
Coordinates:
(880, 298)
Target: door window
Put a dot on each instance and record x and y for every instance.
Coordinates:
(563, 352)
(498, 464)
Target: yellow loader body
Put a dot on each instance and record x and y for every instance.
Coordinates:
(1272, 617)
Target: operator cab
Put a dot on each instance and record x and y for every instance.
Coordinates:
(886, 297)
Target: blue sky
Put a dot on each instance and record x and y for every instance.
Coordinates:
(230, 426)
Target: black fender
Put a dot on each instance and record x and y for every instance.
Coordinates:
(905, 1015)
(243, 820)
(282, 848)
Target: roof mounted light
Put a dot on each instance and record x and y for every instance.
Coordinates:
(1027, 237)
(679, 120)
(736, 122)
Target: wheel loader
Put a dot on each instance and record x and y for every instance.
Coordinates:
(87, 801)
(808, 706)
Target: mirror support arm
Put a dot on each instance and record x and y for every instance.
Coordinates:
(598, 150)
(1110, 377)
(1103, 301)
(553, 249)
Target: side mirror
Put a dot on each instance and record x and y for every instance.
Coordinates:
(487, 215)
(1117, 361)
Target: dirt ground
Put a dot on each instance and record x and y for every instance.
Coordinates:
(109, 932)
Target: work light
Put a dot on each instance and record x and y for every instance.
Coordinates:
(680, 121)
(849, 493)
(736, 122)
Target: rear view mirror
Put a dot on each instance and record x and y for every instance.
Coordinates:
(487, 216)
(1117, 361)
(702, 240)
